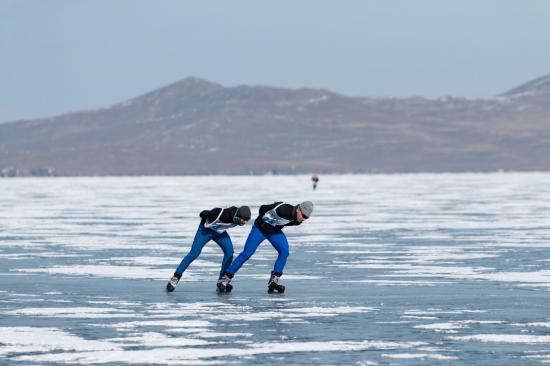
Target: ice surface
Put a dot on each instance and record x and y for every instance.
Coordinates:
(412, 269)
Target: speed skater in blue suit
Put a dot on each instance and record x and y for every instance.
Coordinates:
(268, 225)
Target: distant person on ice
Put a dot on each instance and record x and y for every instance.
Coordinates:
(315, 180)
(213, 226)
(269, 225)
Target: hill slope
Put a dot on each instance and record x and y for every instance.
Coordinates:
(198, 127)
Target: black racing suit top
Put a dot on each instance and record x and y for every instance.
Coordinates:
(211, 215)
(285, 211)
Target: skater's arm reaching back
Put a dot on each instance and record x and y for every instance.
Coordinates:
(265, 208)
(209, 215)
(288, 212)
(284, 211)
(228, 214)
(286, 217)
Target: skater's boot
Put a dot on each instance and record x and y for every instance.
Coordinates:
(273, 284)
(223, 283)
(171, 285)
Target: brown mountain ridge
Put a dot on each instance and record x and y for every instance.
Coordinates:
(198, 127)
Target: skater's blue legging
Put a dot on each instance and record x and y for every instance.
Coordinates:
(277, 239)
(202, 237)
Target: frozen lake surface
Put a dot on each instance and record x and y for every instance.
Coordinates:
(446, 269)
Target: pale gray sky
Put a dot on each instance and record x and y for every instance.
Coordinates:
(63, 55)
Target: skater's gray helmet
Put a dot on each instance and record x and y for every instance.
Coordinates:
(306, 207)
